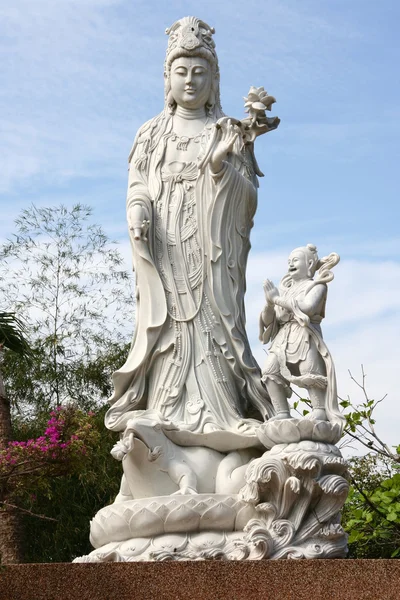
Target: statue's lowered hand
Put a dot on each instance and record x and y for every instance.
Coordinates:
(138, 222)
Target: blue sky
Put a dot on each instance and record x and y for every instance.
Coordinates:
(80, 76)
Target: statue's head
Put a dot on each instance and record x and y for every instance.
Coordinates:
(303, 262)
(191, 67)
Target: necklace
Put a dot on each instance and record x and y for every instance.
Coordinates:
(184, 140)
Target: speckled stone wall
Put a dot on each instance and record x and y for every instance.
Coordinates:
(211, 580)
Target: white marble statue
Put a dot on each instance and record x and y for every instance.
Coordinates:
(291, 321)
(208, 472)
(192, 195)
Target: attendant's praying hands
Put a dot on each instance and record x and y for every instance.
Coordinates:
(270, 291)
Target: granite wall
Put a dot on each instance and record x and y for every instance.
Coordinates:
(211, 580)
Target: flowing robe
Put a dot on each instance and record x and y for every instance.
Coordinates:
(190, 359)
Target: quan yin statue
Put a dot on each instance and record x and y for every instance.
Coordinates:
(192, 194)
(190, 403)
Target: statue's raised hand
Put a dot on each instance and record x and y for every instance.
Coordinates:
(138, 222)
(228, 136)
(270, 291)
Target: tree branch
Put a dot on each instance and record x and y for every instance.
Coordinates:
(28, 512)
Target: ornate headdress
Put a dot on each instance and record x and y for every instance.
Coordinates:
(190, 37)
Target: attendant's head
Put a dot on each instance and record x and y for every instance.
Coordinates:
(303, 262)
(191, 67)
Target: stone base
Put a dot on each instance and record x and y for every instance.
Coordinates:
(289, 508)
(168, 515)
(205, 580)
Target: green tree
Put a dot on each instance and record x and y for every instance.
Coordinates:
(65, 276)
(371, 514)
(67, 279)
(32, 468)
(13, 341)
(69, 501)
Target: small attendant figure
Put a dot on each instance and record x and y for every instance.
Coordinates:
(291, 321)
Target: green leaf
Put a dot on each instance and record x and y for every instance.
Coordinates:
(355, 536)
(392, 516)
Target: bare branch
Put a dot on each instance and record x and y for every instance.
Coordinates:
(28, 512)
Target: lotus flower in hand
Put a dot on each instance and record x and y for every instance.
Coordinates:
(257, 102)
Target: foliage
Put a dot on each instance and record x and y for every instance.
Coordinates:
(12, 334)
(371, 515)
(70, 501)
(66, 278)
(360, 423)
(65, 445)
(84, 380)
(372, 512)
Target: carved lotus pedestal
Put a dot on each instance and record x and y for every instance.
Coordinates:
(285, 503)
(188, 527)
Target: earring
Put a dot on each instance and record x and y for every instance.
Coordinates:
(171, 103)
(210, 103)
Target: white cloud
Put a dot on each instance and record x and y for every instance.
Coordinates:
(363, 291)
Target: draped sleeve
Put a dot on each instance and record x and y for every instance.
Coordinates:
(230, 215)
(151, 310)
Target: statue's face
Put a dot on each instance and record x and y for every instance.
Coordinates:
(298, 266)
(191, 80)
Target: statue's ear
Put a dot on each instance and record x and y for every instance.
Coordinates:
(211, 102)
(171, 102)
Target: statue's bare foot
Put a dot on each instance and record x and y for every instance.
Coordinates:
(184, 491)
(317, 414)
(285, 414)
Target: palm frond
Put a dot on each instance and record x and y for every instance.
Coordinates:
(12, 334)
